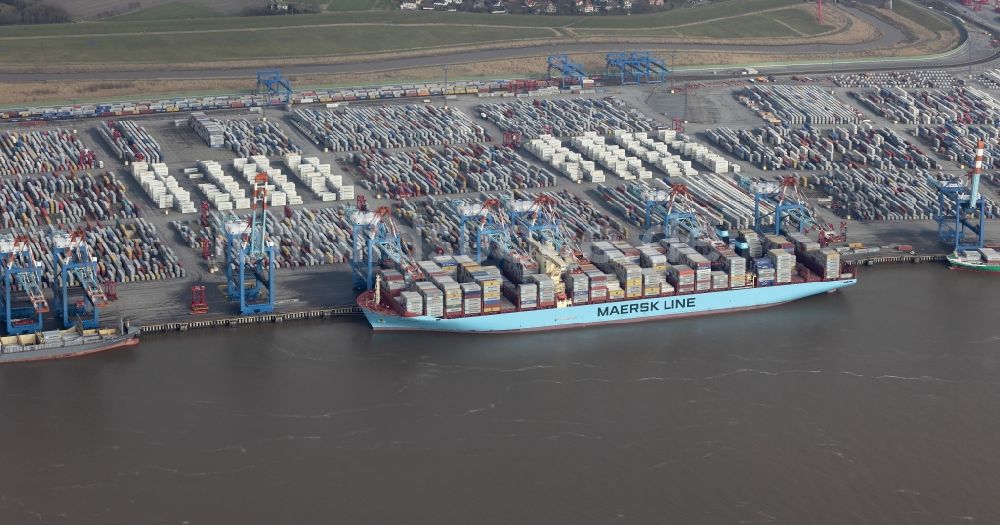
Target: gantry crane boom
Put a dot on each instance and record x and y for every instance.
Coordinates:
(22, 275)
(374, 238)
(249, 251)
(73, 261)
(790, 206)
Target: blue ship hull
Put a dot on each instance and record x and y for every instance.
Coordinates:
(649, 309)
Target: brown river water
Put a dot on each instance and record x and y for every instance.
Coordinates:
(879, 404)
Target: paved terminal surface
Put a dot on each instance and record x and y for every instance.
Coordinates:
(709, 105)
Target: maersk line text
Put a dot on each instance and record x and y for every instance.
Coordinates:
(649, 306)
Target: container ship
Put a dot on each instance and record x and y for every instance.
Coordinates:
(59, 344)
(980, 260)
(543, 289)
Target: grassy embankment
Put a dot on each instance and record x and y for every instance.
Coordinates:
(326, 38)
(138, 40)
(171, 11)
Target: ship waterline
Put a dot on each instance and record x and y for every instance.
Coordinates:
(636, 310)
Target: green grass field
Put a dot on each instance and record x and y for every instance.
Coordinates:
(676, 17)
(922, 16)
(775, 24)
(665, 19)
(244, 45)
(353, 5)
(138, 38)
(171, 11)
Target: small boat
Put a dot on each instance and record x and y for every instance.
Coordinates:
(59, 344)
(980, 260)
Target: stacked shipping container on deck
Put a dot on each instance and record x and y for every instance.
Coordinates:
(454, 285)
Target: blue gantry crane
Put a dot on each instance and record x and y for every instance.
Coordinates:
(23, 299)
(677, 211)
(536, 219)
(75, 278)
(374, 238)
(568, 70)
(271, 83)
(636, 67)
(488, 220)
(961, 212)
(790, 209)
(250, 260)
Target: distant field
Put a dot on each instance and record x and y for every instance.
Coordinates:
(91, 9)
(783, 23)
(355, 5)
(96, 9)
(244, 45)
(671, 18)
(171, 11)
(113, 26)
(923, 16)
(675, 17)
(155, 35)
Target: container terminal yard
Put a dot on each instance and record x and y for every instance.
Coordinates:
(164, 197)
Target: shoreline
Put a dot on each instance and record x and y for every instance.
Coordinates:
(348, 311)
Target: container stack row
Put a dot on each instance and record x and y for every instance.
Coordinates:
(654, 149)
(926, 79)
(772, 259)
(779, 148)
(312, 237)
(161, 187)
(718, 199)
(455, 169)
(398, 126)
(246, 100)
(564, 160)
(691, 271)
(965, 105)
(797, 105)
(256, 138)
(42, 200)
(614, 158)
(438, 227)
(958, 143)
(280, 190)
(208, 129)
(125, 251)
(222, 190)
(319, 178)
(629, 201)
(428, 89)
(565, 117)
(581, 218)
(825, 262)
(129, 141)
(981, 256)
(308, 237)
(42, 151)
(990, 79)
(456, 286)
(877, 195)
(686, 146)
